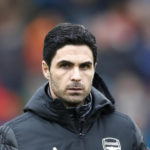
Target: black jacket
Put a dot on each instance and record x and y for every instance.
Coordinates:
(48, 125)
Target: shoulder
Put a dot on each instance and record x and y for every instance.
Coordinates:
(123, 120)
(18, 121)
(9, 131)
(120, 123)
(127, 126)
(7, 138)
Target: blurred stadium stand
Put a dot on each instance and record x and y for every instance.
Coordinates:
(122, 29)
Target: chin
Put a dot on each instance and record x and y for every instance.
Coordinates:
(74, 102)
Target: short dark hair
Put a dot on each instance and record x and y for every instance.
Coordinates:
(64, 34)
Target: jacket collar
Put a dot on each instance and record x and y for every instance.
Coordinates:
(42, 105)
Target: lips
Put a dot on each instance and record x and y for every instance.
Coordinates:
(75, 90)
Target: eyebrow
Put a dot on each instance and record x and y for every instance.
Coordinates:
(63, 62)
(86, 63)
(69, 62)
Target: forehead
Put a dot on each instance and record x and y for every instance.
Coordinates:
(74, 53)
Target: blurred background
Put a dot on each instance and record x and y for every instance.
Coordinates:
(122, 29)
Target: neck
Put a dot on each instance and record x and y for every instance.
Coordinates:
(70, 104)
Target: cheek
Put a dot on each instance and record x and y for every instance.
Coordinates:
(88, 78)
(61, 79)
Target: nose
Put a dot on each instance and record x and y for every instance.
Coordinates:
(76, 75)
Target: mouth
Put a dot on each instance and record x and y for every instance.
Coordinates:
(75, 90)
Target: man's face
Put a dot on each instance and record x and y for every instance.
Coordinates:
(71, 74)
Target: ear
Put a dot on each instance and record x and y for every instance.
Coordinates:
(45, 70)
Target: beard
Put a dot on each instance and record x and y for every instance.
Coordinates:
(72, 99)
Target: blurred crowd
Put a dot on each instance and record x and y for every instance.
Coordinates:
(122, 30)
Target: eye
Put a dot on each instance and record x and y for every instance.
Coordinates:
(65, 65)
(85, 66)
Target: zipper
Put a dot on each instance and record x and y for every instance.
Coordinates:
(81, 134)
(81, 141)
(81, 124)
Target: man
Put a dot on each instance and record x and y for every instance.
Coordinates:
(68, 112)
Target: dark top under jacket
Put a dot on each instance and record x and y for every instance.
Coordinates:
(47, 124)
